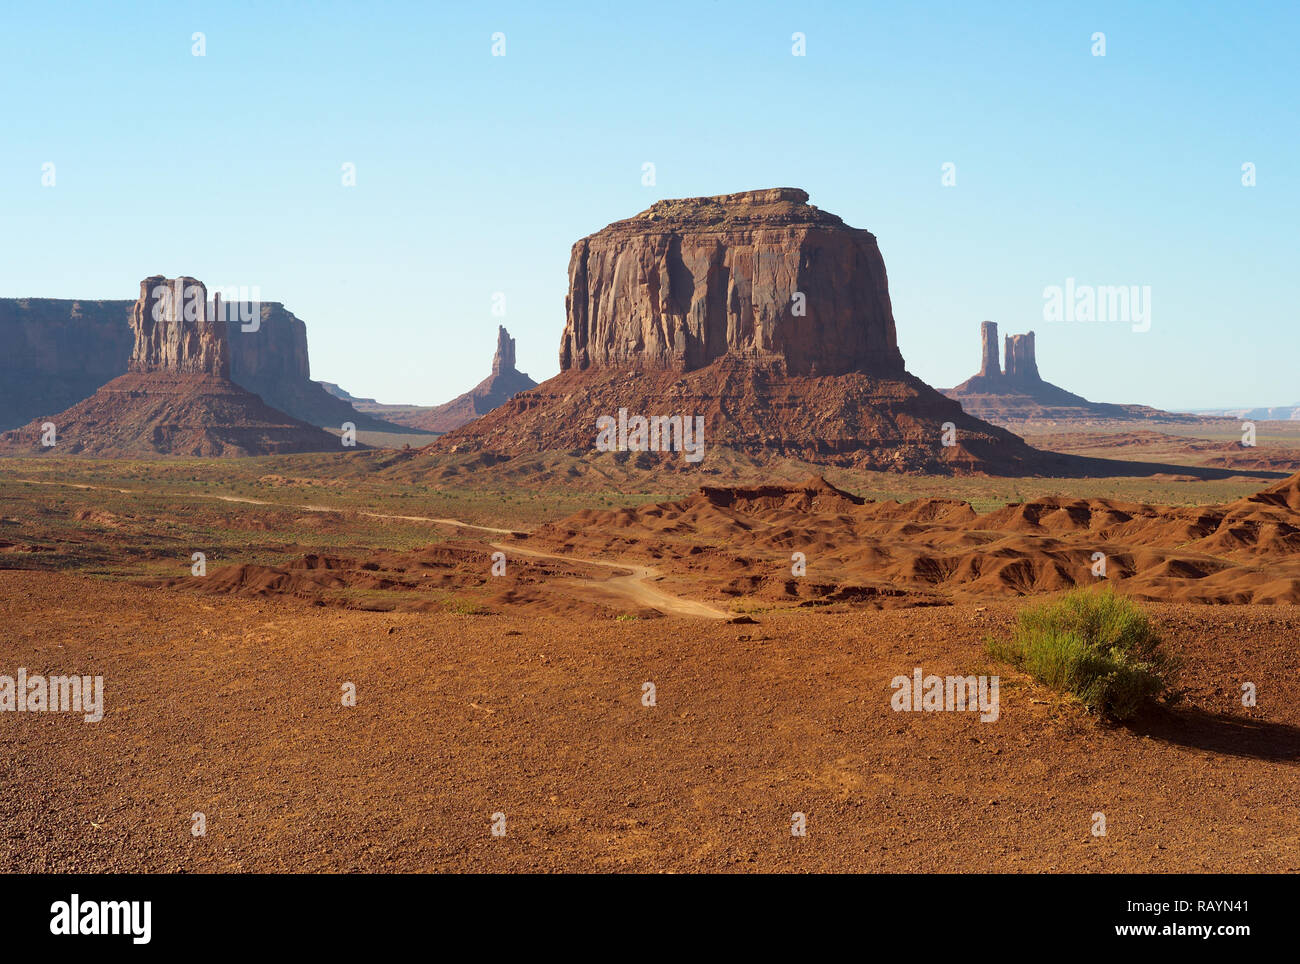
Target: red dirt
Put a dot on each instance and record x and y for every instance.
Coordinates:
(231, 707)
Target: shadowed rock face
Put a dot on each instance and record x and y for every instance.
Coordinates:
(1022, 366)
(57, 352)
(758, 274)
(271, 360)
(273, 352)
(175, 331)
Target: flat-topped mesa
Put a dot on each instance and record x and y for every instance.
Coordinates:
(176, 331)
(1021, 365)
(989, 363)
(760, 275)
(504, 359)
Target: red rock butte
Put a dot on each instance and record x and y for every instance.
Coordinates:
(760, 313)
(176, 397)
(759, 273)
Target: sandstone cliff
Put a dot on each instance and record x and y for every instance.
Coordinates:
(760, 273)
(175, 331)
(57, 352)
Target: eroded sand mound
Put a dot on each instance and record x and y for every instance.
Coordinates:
(162, 413)
(451, 577)
(740, 542)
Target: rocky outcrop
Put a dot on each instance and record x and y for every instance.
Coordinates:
(760, 273)
(758, 317)
(503, 362)
(1021, 366)
(176, 397)
(1018, 392)
(989, 363)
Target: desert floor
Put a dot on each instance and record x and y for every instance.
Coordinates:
(231, 707)
(472, 701)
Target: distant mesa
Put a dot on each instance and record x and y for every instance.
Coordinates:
(176, 397)
(1017, 392)
(60, 351)
(1263, 413)
(764, 315)
(503, 384)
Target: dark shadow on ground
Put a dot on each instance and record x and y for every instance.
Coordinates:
(1220, 733)
(1087, 467)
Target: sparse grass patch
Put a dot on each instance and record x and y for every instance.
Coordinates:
(462, 607)
(1097, 646)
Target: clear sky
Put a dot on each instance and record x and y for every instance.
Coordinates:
(475, 174)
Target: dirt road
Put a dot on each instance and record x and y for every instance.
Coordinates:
(635, 586)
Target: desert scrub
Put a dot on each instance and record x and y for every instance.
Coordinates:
(1097, 646)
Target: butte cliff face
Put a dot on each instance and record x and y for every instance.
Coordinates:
(57, 352)
(757, 316)
(176, 396)
(760, 273)
(1018, 392)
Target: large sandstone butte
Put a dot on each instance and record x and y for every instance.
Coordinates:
(176, 397)
(770, 319)
(760, 273)
(1017, 392)
(60, 351)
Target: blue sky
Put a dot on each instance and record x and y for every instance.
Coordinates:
(475, 174)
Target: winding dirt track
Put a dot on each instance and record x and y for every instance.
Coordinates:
(635, 586)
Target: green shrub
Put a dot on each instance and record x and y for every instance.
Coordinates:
(1097, 646)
